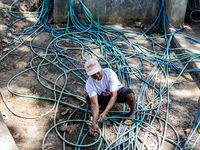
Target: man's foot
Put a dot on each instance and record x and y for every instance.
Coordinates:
(129, 121)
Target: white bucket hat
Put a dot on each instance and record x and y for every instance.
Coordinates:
(92, 66)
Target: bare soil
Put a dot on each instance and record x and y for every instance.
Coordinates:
(29, 132)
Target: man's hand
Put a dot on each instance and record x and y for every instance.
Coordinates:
(109, 106)
(95, 127)
(95, 113)
(102, 117)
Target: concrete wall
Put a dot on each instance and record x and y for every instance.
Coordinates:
(176, 10)
(6, 140)
(114, 11)
(199, 4)
(60, 11)
(125, 11)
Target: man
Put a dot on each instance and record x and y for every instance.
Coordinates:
(104, 89)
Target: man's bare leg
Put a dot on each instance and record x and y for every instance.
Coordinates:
(131, 102)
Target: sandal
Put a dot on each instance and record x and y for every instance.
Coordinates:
(129, 122)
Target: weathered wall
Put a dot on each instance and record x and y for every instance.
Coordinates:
(126, 11)
(60, 11)
(26, 5)
(176, 10)
(6, 140)
(199, 4)
(114, 11)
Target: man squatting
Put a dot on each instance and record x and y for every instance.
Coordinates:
(104, 89)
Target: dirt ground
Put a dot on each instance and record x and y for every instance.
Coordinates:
(32, 117)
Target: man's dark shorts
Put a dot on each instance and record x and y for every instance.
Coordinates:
(120, 96)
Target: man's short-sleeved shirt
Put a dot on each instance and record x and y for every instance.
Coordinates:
(108, 83)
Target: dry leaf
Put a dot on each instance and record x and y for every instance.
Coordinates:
(73, 82)
(159, 129)
(132, 56)
(170, 138)
(163, 117)
(64, 97)
(25, 75)
(118, 108)
(157, 86)
(25, 129)
(64, 112)
(187, 131)
(77, 54)
(35, 113)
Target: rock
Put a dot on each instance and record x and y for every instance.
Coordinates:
(30, 5)
(14, 8)
(27, 5)
(64, 112)
(67, 128)
(5, 40)
(108, 123)
(63, 127)
(94, 134)
(3, 27)
(138, 24)
(9, 35)
(7, 15)
(50, 21)
(6, 49)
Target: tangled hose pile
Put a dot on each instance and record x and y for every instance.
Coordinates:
(116, 50)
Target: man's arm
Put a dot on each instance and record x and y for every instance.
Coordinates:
(109, 106)
(95, 112)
